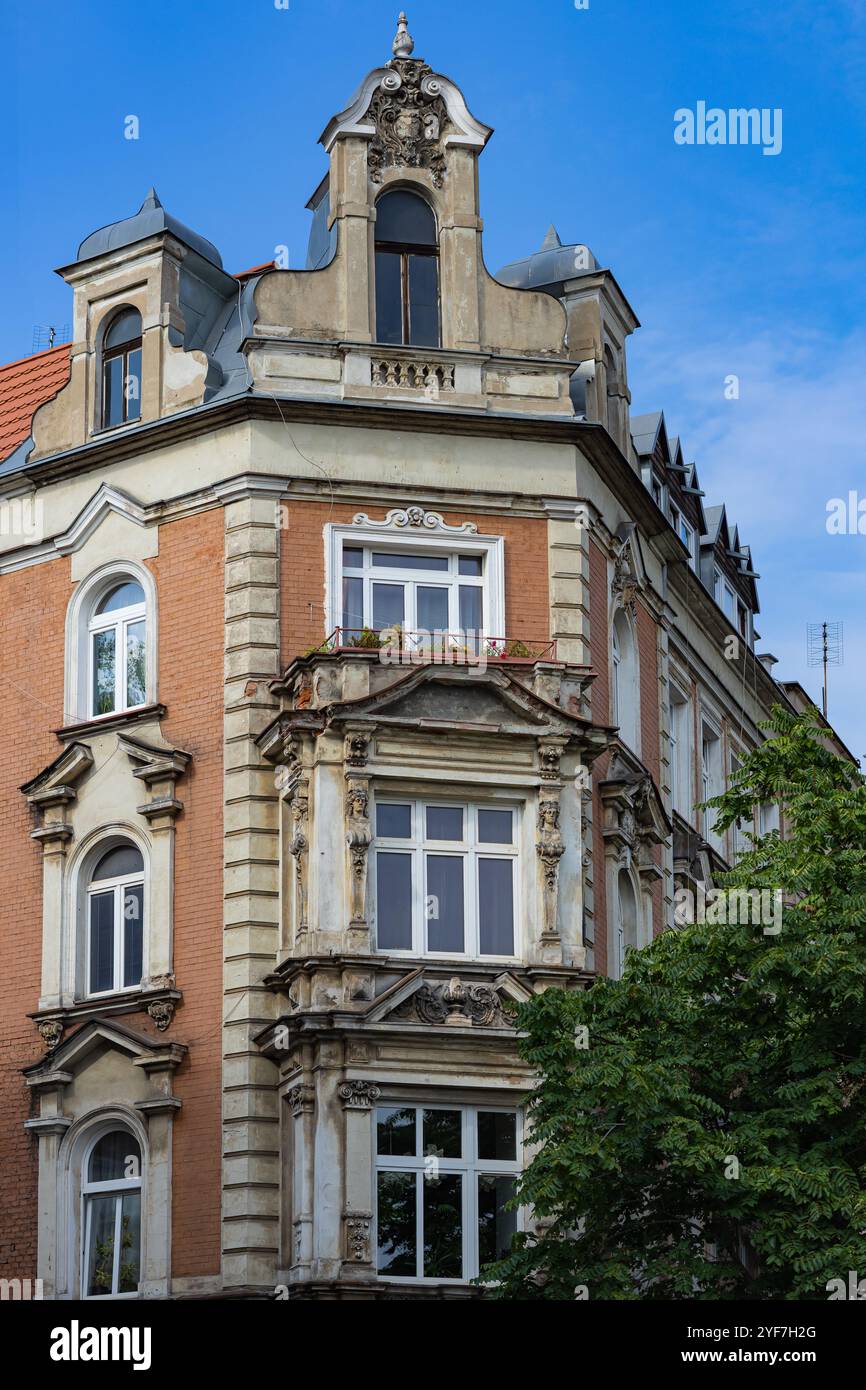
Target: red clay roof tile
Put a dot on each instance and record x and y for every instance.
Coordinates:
(24, 386)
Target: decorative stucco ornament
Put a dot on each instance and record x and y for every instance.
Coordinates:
(409, 114)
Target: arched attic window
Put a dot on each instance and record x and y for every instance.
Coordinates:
(407, 271)
(121, 369)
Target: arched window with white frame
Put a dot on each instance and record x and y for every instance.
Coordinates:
(111, 1215)
(121, 369)
(118, 646)
(114, 910)
(111, 650)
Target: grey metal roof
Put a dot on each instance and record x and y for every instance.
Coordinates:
(549, 267)
(645, 431)
(713, 517)
(150, 219)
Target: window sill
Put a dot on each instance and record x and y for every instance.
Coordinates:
(125, 1001)
(106, 722)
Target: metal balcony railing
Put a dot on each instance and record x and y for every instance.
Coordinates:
(398, 646)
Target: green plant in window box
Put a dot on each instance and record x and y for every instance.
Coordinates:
(517, 649)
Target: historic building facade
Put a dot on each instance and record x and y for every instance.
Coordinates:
(364, 660)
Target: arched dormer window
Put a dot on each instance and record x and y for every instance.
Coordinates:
(407, 270)
(118, 649)
(111, 1195)
(624, 681)
(121, 369)
(115, 920)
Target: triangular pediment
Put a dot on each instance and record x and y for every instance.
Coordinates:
(92, 1040)
(105, 500)
(56, 781)
(465, 699)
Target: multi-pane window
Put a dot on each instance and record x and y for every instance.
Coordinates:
(416, 591)
(725, 596)
(407, 271)
(111, 1189)
(121, 369)
(445, 878)
(444, 1178)
(118, 676)
(115, 921)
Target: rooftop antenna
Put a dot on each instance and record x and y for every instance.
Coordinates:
(824, 646)
(45, 335)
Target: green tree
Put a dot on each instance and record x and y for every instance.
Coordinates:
(720, 1095)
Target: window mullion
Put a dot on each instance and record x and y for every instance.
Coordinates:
(115, 1272)
(419, 1220)
(117, 980)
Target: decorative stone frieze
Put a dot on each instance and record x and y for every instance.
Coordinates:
(410, 119)
(454, 1002)
(358, 1236)
(399, 518)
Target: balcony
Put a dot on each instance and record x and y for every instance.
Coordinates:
(356, 663)
(397, 647)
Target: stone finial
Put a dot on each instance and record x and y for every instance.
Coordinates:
(403, 45)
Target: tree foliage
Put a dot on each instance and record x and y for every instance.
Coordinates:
(722, 1094)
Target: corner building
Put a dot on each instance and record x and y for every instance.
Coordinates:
(364, 660)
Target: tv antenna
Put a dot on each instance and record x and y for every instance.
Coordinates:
(824, 646)
(46, 335)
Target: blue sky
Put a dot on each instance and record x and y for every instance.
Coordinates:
(735, 263)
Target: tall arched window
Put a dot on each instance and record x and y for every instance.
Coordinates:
(624, 680)
(121, 369)
(407, 270)
(115, 921)
(111, 1195)
(117, 641)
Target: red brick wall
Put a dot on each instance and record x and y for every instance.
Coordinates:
(302, 570)
(598, 640)
(33, 603)
(32, 615)
(190, 580)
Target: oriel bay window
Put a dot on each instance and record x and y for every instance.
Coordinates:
(445, 880)
(115, 921)
(417, 592)
(444, 1178)
(407, 271)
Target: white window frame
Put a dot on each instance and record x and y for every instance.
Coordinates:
(723, 592)
(491, 550)
(688, 539)
(117, 1187)
(739, 844)
(119, 621)
(79, 703)
(469, 1166)
(712, 776)
(682, 793)
(117, 886)
(625, 680)
(768, 817)
(470, 849)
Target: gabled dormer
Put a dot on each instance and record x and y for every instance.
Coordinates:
(149, 294)
(727, 571)
(397, 304)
